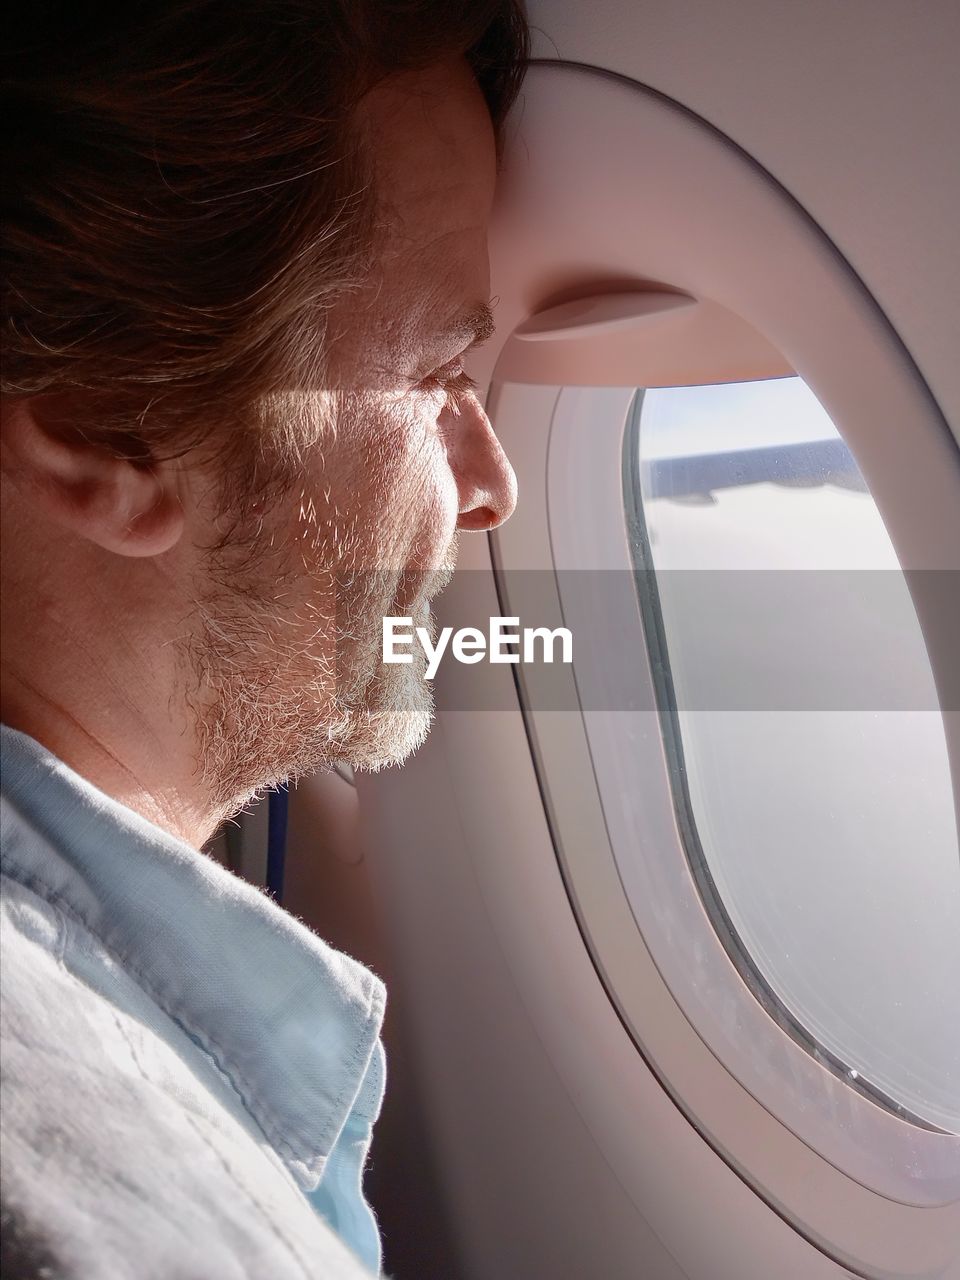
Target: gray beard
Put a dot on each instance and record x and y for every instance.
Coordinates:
(269, 709)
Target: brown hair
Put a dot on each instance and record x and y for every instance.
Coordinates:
(185, 196)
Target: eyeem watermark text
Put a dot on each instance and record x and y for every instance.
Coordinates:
(503, 642)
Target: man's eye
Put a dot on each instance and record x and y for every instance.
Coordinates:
(453, 381)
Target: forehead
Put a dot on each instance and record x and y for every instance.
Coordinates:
(432, 148)
(431, 141)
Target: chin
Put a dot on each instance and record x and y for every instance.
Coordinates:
(261, 730)
(394, 723)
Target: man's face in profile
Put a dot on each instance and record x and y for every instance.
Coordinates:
(363, 521)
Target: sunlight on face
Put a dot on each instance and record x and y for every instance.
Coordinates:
(364, 525)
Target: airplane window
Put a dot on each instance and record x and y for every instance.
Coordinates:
(809, 767)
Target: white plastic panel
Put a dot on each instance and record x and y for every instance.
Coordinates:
(853, 107)
(563, 1153)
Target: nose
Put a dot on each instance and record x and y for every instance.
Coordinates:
(486, 484)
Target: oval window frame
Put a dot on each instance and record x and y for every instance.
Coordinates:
(867, 388)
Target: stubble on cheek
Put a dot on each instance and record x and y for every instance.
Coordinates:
(287, 659)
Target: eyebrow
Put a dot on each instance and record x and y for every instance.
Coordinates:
(475, 325)
(467, 329)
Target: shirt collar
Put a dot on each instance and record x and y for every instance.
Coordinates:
(292, 1022)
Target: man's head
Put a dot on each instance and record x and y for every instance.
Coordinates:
(246, 251)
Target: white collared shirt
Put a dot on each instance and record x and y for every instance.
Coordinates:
(190, 1076)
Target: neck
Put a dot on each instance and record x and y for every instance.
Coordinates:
(97, 679)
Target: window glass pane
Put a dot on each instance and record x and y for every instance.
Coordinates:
(812, 780)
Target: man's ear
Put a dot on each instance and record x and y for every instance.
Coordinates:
(128, 507)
